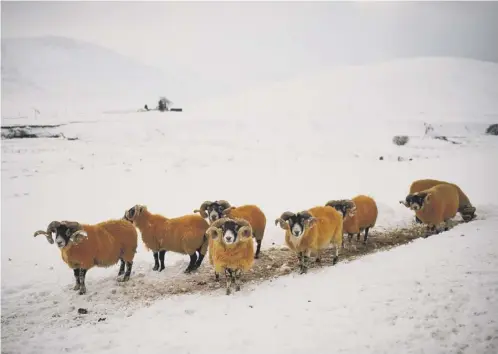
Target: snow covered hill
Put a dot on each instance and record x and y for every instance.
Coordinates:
(59, 74)
(449, 89)
(434, 295)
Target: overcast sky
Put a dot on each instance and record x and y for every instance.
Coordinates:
(240, 44)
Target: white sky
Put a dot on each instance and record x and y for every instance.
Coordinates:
(239, 44)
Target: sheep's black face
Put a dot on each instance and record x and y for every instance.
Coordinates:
(230, 232)
(130, 214)
(62, 235)
(214, 211)
(415, 201)
(296, 224)
(341, 208)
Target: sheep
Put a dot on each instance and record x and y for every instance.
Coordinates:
(434, 206)
(84, 246)
(359, 214)
(252, 213)
(311, 231)
(232, 249)
(185, 235)
(465, 208)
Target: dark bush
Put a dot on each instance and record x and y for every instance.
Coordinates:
(400, 140)
(492, 129)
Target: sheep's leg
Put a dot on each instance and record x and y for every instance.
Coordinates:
(228, 277)
(300, 259)
(216, 276)
(161, 259)
(156, 261)
(318, 259)
(336, 255)
(76, 272)
(366, 235)
(200, 258)
(191, 265)
(258, 249)
(238, 273)
(417, 220)
(358, 237)
(305, 256)
(121, 267)
(127, 274)
(350, 238)
(82, 281)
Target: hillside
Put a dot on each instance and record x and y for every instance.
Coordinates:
(61, 74)
(448, 89)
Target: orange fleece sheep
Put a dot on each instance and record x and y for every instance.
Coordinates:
(102, 245)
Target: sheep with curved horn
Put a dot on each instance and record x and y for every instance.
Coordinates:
(310, 231)
(85, 246)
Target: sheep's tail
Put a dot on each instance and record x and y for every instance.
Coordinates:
(204, 247)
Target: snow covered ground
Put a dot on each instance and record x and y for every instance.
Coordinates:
(436, 295)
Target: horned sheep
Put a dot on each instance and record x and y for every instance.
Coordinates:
(232, 249)
(251, 213)
(434, 206)
(312, 230)
(185, 235)
(84, 246)
(359, 214)
(465, 207)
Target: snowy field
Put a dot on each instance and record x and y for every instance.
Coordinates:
(434, 295)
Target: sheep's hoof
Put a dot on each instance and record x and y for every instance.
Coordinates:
(123, 279)
(216, 277)
(237, 287)
(162, 268)
(82, 290)
(156, 267)
(318, 260)
(303, 270)
(228, 291)
(334, 261)
(76, 287)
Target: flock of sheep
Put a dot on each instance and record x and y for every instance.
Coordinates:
(228, 232)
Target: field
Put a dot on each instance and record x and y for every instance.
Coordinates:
(400, 292)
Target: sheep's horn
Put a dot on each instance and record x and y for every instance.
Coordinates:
(404, 203)
(224, 204)
(219, 222)
(283, 218)
(52, 227)
(333, 203)
(47, 235)
(306, 214)
(242, 222)
(202, 209)
(227, 211)
(245, 231)
(77, 236)
(214, 231)
(286, 215)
